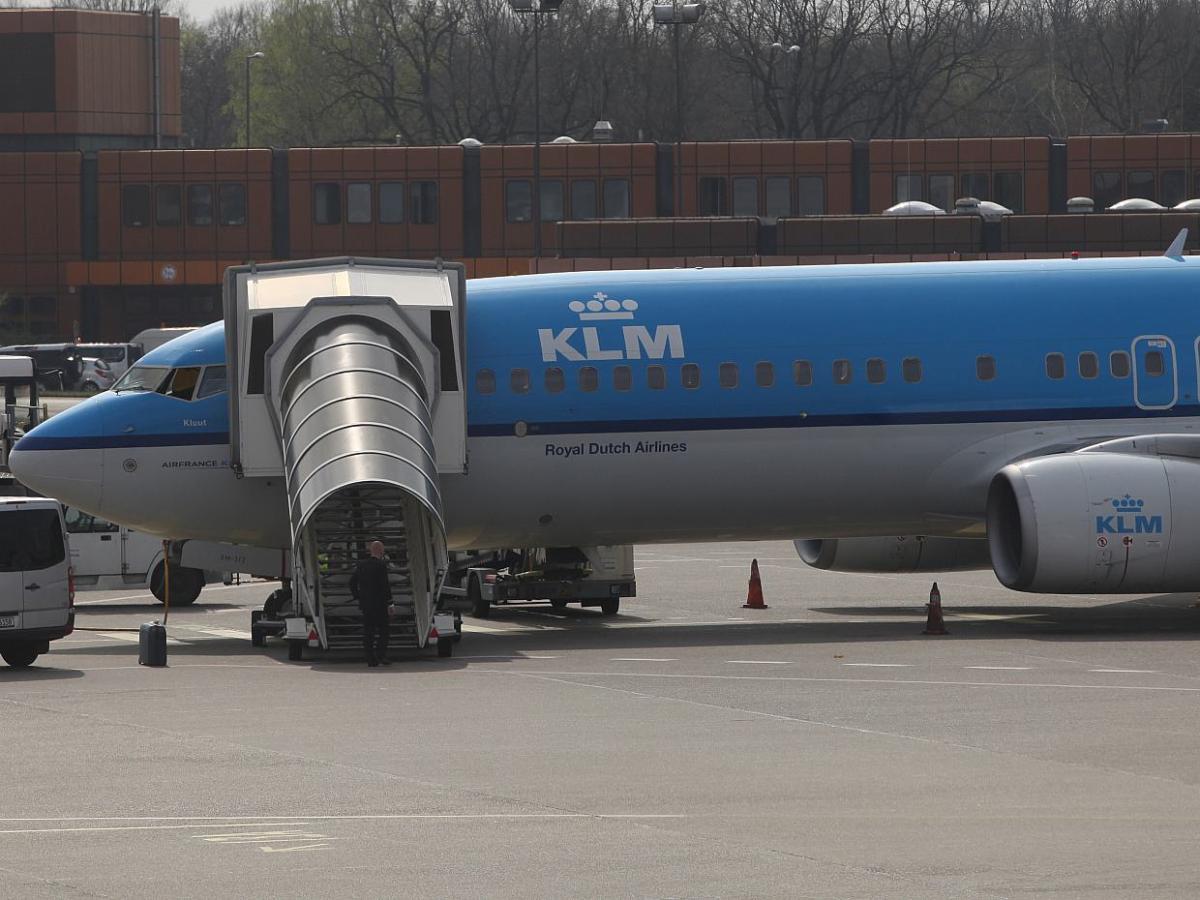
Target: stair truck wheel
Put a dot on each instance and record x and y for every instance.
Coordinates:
(19, 656)
(480, 608)
(610, 606)
(296, 650)
(445, 646)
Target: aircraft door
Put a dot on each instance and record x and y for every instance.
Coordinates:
(1155, 377)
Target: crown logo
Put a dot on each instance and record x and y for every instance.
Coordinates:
(602, 307)
(1127, 504)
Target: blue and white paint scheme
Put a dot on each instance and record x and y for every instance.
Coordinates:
(940, 400)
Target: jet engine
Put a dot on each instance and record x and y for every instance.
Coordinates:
(894, 554)
(1098, 521)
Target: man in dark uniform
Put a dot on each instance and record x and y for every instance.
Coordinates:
(370, 587)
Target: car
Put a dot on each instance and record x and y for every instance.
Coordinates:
(96, 376)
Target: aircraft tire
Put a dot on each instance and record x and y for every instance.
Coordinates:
(186, 585)
(480, 608)
(19, 656)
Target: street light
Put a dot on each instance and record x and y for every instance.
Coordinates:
(676, 14)
(537, 9)
(257, 54)
(792, 54)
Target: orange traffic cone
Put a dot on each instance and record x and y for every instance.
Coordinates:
(934, 624)
(754, 595)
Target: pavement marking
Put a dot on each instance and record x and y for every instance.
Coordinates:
(880, 665)
(1128, 671)
(1000, 668)
(146, 595)
(758, 662)
(644, 659)
(174, 823)
(90, 828)
(130, 637)
(484, 629)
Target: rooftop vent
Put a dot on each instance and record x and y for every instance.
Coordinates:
(1136, 204)
(1081, 205)
(914, 208)
(470, 142)
(564, 139)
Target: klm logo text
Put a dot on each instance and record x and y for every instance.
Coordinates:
(1128, 518)
(636, 342)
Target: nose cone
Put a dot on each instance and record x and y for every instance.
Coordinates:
(63, 457)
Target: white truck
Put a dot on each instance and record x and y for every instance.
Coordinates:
(589, 576)
(104, 555)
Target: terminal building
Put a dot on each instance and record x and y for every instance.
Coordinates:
(110, 226)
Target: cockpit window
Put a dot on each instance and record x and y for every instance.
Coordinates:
(182, 383)
(142, 378)
(212, 383)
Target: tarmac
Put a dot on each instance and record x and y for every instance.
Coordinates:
(823, 747)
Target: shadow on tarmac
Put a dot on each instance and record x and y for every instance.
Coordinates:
(36, 673)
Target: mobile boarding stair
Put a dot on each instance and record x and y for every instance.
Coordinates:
(346, 382)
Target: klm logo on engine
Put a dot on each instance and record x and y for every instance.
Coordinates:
(1129, 518)
(590, 343)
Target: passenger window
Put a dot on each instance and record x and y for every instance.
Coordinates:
(745, 196)
(910, 366)
(810, 191)
(327, 204)
(358, 203)
(616, 198)
(1118, 364)
(689, 375)
(485, 381)
(1154, 364)
(424, 203)
(802, 372)
(556, 381)
(79, 522)
(985, 368)
(1089, 365)
(391, 202)
(583, 199)
(779, 196)
(623, 378)
(231, 204)
(876, 371)
(727, 375)
(843, 372)
(656, 378)
(764, 374)
(1056, 366)
(212, 383)
(518, 381)
(182, 384)
(167, 200)
(589, 379)
(135, 205)
(199, 199)
(518, 201)
(711, 194)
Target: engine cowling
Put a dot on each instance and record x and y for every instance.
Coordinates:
(894, 554)
(1096, 522)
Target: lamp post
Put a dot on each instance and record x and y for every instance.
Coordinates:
(257, 54)
(791, 52)
(676, 14)
(537, 9)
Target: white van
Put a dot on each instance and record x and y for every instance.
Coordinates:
(37, 596)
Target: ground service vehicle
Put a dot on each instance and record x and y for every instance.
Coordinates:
(37, 595)
(118, 357)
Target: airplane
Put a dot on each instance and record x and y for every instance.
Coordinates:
(1036, 417)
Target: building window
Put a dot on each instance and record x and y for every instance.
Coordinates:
(327, 204)
(1007, 190)
(391, 202)
(199, 200)
(1141, 184)
(518, 201)
(1118, 364)
(622, 378)
(843, 372)
(975, 184)
(1106, 189)
(985, 368)
(1056, 366)
(167, 201)
(423, 206)
(656, 378)
(1174, 187)
(727, 375)
(876, 371)
(764, 374)
(908, 187)
(802, 372)
(711, 197)
(485, 381)
(589, 379)
(358, 203)
(779, 196)
(556, 381)
(518, 381)
(1089, 365)
(910, 367)
(616, 198)
(941, 191)
(810, 190)
(135, 205)
(583, 199)
(552, 200)
(689, 375)
(1155, 366)
(231, 204)
(745, 196)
